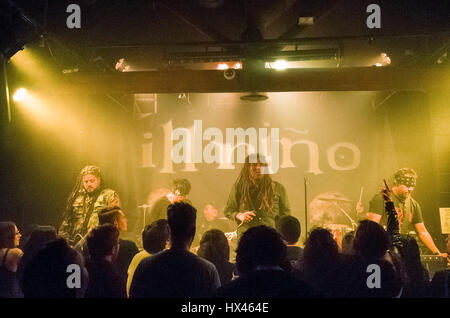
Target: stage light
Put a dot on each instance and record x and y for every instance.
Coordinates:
(20, 94)
(122, 65)
(277, 65)
(383, 60)
(222, 66)
(280, 65)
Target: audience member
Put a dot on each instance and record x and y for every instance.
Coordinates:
(214, 248)
(416, 277)
(128, 249)
(104, 279)
(155, 238)
(176, 272)
(46, 274)
(440, 284)
(320, 259)
(39, 237)
(261, 259)
(290, 230)
(10, 256)
(347, 243)
(371, 262)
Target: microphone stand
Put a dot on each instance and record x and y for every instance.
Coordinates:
(306, 207)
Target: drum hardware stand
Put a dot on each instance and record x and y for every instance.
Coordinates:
(354, 225)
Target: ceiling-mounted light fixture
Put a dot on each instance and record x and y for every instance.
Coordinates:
(222, 66)
(384, 60)
(305, 21)
(122, 65)
(255, 97)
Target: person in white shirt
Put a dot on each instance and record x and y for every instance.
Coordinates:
(155, 238)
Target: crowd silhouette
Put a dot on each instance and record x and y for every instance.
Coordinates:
(269, 263)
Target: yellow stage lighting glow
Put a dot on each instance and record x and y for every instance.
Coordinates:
(277, 65)
(280, 65)
(222, 66)
(20, 94)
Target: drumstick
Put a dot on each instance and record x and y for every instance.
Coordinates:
(360, 194)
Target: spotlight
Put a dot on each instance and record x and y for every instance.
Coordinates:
(19, 94)
(278, 65)
(384, 60)
(222, 66)
(122, 65)
(238, 66)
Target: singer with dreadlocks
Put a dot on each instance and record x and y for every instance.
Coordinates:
(408, 210)
(88, 197)
(255, 199)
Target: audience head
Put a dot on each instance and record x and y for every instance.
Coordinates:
(103, 241)
(9, 235)
(410, 251)
(155, 236)
(371, 240)
(260, 246)
(39, 237)
(46, 274)
(181, 217)
(320, 248)
(347, 243)
(411, 264)
(214, 246)
(115, 216)
(289, 228)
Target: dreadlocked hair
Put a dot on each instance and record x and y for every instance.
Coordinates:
(265, 186)
(79, 185)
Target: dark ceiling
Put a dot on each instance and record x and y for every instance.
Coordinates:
(160, 34)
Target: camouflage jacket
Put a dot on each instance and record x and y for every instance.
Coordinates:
(72, 226)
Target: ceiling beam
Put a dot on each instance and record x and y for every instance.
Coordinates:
(344, 79)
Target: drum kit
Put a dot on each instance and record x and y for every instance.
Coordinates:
(339, 230)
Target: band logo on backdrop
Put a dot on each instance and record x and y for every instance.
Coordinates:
(194, 145)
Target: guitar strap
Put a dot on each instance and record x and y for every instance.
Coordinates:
(89, 212)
